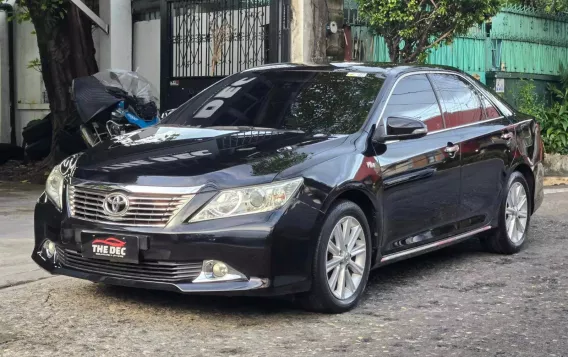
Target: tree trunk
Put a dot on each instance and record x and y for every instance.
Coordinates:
(67, 51)
(393, 46)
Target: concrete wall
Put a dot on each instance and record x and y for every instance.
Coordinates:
(146, 50)
(116, 46)
(29, 102)
(309, 42)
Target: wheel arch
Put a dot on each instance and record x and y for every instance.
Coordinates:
(528, 174)
(368, 203)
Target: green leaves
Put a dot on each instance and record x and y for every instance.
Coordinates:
(553, 119)
(413, 27)
(548, 6)
(55, 8)
(35, 64)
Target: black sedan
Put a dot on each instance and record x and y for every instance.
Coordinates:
(296, 179)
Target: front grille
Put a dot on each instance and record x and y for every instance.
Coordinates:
(171, 272)
(152, 210)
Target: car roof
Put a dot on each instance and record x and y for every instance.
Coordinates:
(387, 69)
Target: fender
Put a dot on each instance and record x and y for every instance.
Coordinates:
(359, 188)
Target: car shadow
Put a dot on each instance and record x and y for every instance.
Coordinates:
(386, 278)
(391, 276)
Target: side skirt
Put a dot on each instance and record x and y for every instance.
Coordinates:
(391, 258)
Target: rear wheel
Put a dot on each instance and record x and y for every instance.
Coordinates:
(342, 260)
(514, 218)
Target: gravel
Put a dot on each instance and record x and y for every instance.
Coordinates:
(459, 301)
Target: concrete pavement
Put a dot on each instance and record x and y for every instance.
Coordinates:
(459, 301)
(16, 234)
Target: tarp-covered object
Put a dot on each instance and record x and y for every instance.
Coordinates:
(132, 82)
(94, 94)
(91, 97)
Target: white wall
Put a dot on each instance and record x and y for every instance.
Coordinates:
(146, 50)
(4, 80)
(29, 104)
(29, 99)
(116, 46)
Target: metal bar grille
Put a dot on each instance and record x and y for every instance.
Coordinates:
(145, 270)
(216, 38)
(143, 210)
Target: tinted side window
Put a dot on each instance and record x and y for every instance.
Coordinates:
(490, 111)
(413, 97)
(459, 99)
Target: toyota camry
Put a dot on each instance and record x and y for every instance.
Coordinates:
(296, 180)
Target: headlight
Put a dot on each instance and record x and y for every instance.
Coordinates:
(54, 186)
(247, 200)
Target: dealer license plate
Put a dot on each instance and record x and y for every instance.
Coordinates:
(111, 247)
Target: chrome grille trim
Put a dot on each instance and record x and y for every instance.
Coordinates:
(147, 209)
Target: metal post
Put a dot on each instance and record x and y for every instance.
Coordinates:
(285, 33)
(274, 29)
(165, 54)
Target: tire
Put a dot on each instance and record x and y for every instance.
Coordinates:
(499, 240)
(37, 129)
(321, 298)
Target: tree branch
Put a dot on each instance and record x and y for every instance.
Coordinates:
(440, 39)
(420, 50)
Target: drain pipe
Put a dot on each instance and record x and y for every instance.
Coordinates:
(9, 10)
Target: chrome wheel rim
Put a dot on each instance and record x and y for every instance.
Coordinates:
(516, 212)
(346, 258)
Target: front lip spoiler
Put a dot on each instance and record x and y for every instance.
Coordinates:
(253, 283)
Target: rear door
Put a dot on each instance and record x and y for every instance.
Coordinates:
(485, 145)
(421, 176)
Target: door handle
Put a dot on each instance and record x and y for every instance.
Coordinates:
(452, 149)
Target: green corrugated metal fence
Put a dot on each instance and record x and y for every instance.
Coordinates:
(518, 39)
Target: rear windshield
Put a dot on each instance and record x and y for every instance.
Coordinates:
(313, 102)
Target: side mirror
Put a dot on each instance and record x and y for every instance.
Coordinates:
(400, 128)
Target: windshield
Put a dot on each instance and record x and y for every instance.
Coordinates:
(310, 101)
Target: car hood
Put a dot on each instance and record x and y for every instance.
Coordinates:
(215, 158)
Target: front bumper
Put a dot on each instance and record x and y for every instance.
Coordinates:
(273, 251)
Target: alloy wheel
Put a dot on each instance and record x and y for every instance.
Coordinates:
(516, 212)
(346, 257)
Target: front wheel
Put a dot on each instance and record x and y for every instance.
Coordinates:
(342, 260)
(514, 218)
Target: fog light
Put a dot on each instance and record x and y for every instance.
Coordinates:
(220, 270)
(48, 249)
(217, 271)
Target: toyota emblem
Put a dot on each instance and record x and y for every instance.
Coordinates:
(116, 204)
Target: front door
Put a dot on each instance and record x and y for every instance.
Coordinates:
(421, 195)
(486, 138)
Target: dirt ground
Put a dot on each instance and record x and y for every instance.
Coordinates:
(20, 172)
(459, 301)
